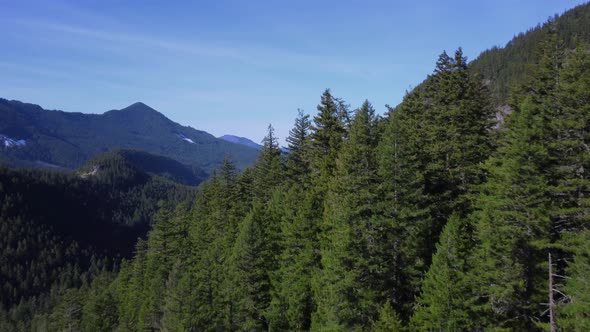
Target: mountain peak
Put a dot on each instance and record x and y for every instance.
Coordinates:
(138, 106)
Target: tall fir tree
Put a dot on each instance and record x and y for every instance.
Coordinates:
(347, 285)
(445, 299)
(326, 138)
(268, 170)
(298, 142)
(430, 159)
(513, 226)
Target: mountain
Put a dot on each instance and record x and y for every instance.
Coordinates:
(144, 162)
(31, 136)
(59, 228)
(241, 140)
(509, 66)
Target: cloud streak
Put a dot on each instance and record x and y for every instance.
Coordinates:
(251, 55)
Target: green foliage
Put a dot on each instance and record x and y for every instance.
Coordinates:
(574, 314)
(430, 161)
(293, 300)
(389, 320)
(445, 300)
(297, 160)
(326, 137)
(533, 197)
(431, 219)
(510, 66)
(59, 241)
(346, 287)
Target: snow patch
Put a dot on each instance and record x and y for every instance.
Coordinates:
(185, 138)
(92, 172)
(8, 142)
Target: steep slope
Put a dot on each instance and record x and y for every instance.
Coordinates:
(60, 229)
(61, 139)
(509, 66)
(143, 162)
(241, 140)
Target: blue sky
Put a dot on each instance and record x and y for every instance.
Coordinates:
(233, 67)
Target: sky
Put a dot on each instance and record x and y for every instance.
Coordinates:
(233, 67)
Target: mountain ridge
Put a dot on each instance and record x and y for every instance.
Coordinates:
(68, 139)
(241, 140)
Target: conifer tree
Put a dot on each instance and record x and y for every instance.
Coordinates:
(297, 159)
(389, 320)
(430, 161)
(444, 303)
(326, 137)
(249, 274)
(268, 170)
(513, 214)
(569, 179)
(570, 187)
(574, 313)
(347, 285)
(293, 301)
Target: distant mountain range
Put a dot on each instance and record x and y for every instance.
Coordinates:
(31, 136)
(241, 140)
(247, 142)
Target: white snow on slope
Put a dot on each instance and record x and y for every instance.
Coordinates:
(8, 142)
(186, 138)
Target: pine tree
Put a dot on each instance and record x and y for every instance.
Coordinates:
(389, 320)
(297, 159)
(568, 153)
(430, 161)
(574, 314)
(513, 215)
(212, 228)
(346, 290)
(326, 137)
(268, 170)
(293, 301)
(570, 187)
(444, 303)
(100, 307)
(249, 274)
(129, 286)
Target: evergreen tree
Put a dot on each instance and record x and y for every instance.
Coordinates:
(444, 303)
(346, 287)
(430, 161)
(100, 308)
(293, 301)
(570, 187)
(389, 320)
(297, 158)
(268, 170)
(574, 315)
(569, 183)
(326, 137)
(249, 274)
(513, 218)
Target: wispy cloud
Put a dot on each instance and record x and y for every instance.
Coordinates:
(253, 55)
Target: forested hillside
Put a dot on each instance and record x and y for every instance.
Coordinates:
(56, 139)
(111, 166)
(60, 231)
(426, 219)
(432, 217)
(507, 67)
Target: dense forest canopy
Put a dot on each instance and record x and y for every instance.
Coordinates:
(433, 217)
